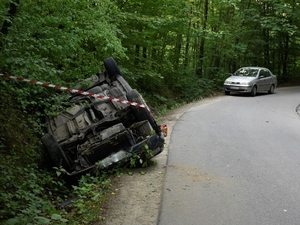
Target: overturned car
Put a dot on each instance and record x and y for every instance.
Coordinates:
(98, 133)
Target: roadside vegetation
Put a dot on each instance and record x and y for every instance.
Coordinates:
(172, 51)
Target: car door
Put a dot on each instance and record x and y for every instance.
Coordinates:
(260, 80)
(264, 80)
(268, 80)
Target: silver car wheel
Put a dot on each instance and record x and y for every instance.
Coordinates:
(253, 91)
(272, 89)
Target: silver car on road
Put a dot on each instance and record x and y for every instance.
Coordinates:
(251, 80)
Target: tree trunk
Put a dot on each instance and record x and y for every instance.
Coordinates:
(285, 55)
(177, 51)
(11, 13)
(187, 44)
(137, 55)
(199, 70)
(10, 16)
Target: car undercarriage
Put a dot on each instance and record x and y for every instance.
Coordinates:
(97, 133)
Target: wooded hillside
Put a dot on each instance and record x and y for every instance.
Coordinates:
(160, 44)
(172, 51)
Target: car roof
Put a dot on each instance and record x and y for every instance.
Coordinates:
(254, 67)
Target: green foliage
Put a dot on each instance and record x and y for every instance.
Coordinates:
(18, 134)
(157, 46)
(32, 196)
(142, 158)
(57, 42)
(29, 195)
(90, 193)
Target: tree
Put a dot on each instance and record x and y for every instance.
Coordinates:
(202, 42)
(10, 15)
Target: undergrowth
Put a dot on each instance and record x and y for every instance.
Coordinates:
(30, 190)
(30, 195)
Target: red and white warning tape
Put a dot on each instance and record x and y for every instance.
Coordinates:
(74, 91)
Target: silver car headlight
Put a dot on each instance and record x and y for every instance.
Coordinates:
(245, 83)
(227, 82)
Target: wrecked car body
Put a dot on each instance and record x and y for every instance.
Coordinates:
(96, 133)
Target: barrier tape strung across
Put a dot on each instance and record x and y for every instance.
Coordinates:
(74, 91)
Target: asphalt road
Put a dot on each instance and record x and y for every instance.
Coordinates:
(235, 161)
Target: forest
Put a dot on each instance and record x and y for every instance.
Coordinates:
(172, 51)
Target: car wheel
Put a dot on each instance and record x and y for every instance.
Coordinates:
(272, 89)
(112, 68)
(253, 91)
(227, 92)
(123, 83)
(57, 155)
(142, 113)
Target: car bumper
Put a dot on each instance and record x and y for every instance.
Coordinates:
(235, 88)
(155, 143)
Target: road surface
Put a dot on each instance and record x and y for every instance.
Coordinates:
(235, 161)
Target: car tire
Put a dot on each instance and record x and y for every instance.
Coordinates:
(142, 113)
(112, 68)
(272, 89)
(253, 91)
(56, 153)
(123, 83)
(227, 92)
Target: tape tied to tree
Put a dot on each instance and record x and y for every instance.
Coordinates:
(74, 91)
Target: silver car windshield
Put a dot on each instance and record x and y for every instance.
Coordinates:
(246, 72)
